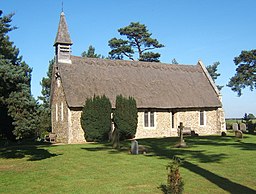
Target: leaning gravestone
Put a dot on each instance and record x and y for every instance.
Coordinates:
(134, 147)
(242, 127)
(235, 126)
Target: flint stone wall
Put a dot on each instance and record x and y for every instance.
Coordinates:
(59, 117)
(214, 123)
(66, 123)
(76, 131)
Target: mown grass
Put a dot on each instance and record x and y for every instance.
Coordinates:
(209, 165)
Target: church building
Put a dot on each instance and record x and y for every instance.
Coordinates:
(166, 94)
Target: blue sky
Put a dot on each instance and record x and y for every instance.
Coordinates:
(190, 30)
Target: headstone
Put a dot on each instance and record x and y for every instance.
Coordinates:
(235, 126)
(181, 127)
(134, 147)
(242, 127)
(239, 134)
(182, 142)
(115, 139)
(251, 127)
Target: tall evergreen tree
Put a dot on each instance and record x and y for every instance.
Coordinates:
(212, 70)
(46, 85)
(17, 106)
(174, 61)
(44, 110)
(96, 118)
(90, 53)
(245, 72)
(125, 117)
(138, 40)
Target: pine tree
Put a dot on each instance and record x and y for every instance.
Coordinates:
(138, 40)
(245, 72)
(212, 70)
(17, 106)
(90, 53)
(44, 110)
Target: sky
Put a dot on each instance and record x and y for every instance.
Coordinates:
(191, 30)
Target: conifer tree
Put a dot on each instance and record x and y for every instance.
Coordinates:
(245, 72)
(17, 106)
(138, 40)
(44, 109)
(125, 117)
(212, 70)
(90, 53)
(96, 118)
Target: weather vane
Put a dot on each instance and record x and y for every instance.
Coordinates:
(62, 6)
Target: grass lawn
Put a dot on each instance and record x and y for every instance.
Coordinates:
(210, 165)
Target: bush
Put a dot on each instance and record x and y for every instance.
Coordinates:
(174, 181)
(125, 117)
(96, 118)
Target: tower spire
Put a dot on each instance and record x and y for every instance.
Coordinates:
(63, 41)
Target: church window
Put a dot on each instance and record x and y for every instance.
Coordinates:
(149, 119)
(58, 82)
(172, 119)
(62, 111)
(56, 112)
(202, 118)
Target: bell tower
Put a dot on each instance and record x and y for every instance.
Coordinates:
(63, 42)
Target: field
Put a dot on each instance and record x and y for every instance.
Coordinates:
(210, 164)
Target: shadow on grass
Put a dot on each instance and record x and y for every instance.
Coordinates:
(224, 183)
(164, 148)
(33, 152)
(221, 141)
(106, 147)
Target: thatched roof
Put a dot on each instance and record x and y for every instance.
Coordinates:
(153, 85)
(63, 36)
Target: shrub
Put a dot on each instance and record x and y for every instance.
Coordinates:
(125, 117)
(174, 181)
(96, 118)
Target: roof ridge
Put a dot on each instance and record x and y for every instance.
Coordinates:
(155, 65)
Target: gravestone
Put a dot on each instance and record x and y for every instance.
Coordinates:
(235, 126)
(134, 147)
(242, 127)
(239, 134)
(251, 127)
(182, 142)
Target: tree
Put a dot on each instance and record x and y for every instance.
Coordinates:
(44, 110)
(17, 106)
(174, 61)
(125, 117)
(245, 72)
(212, 70)
(175, 184)
(46, 85)
(248, 117)
(138, 40)
(91, 53)
(96, 118)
